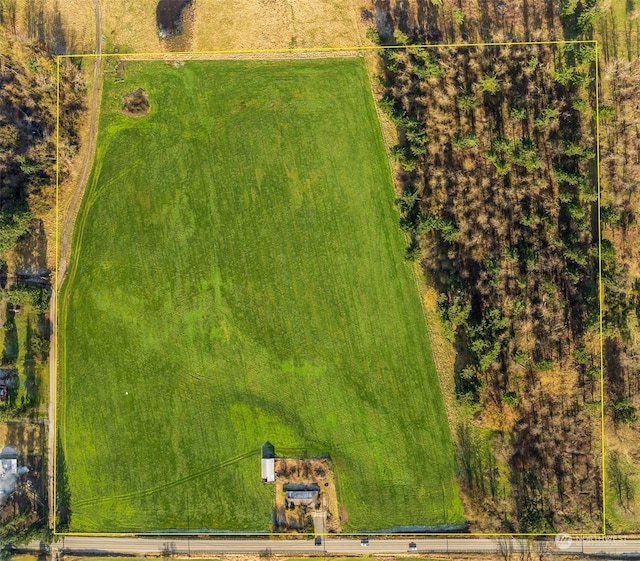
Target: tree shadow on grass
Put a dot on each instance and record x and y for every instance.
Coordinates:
(31, 383)
(11, 345)
(63, 493)
(13, 386)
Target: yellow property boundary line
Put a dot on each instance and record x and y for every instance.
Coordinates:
(600, 297)
(329, 49)
(171, 55)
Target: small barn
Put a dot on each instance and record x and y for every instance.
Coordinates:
(301, 495)
(301, 498)
(268, 463)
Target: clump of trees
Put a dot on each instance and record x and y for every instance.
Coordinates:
(30, 34)
(28, 132)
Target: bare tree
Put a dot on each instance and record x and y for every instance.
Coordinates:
(505, 548)
(543, 549)
(525, 550)
(169, 549)
(9, 13)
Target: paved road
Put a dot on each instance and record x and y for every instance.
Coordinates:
(64, 244)
(337, 546)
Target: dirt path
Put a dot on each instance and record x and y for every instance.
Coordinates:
(64, 244)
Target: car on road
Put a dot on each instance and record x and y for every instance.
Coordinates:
(413, 546)
(317, 541)
(364, 542)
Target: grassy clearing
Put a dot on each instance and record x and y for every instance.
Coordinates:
(623, 486)
(24, 354)
(238, 277)
(217, 25)
(618, 29)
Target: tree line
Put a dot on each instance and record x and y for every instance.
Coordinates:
(31, 34)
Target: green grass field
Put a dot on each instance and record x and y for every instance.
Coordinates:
(25, 352)
(238, 276)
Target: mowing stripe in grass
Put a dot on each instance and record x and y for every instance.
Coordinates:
(238, 277)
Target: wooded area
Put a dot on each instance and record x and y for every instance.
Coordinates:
(30, 36)
(499, 200)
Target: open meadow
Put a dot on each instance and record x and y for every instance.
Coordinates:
(238, 277)
(214, 25)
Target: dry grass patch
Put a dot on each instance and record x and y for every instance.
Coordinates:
(220, 25)
(443, 351)
(24, 437)
(130, 26)
(253, 24)
(78, 22)
(623, 506)
(307, 471)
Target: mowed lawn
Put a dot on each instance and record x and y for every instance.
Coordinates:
(238, 277)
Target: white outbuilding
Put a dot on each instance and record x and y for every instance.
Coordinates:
(268, 463)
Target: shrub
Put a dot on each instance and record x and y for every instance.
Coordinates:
(624, 411)
(400, 37)
(373, 36)
(518, 113)
(606, 112)
(581, 356)
(490, 83)
(466, 102)
(521, 357)
(543, 365)
(563, 75)
(511, 399)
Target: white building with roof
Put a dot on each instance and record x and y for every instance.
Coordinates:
(268, 463)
